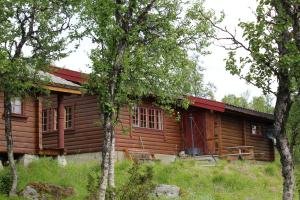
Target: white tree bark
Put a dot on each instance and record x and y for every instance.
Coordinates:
(105, 158)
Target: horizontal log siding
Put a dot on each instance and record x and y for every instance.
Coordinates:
(25, 130)
(166, 141)
(232, 132)
(86, 134)
(262, 144)
(233, 135)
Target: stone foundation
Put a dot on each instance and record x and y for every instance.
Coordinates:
(120, 155)
(84, 157)
(26, 159)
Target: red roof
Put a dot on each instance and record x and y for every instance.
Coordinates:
(79, 77)
(207, 104)
(68, 74)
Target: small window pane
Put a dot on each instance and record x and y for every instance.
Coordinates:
(135, 117)
(159, 119)
(68, 117)
(16, 106)
(143, 118)
(45, 120)
(151, 115)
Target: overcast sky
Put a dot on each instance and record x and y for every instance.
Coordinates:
(214, 64)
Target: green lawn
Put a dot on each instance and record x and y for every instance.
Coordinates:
(232, 181)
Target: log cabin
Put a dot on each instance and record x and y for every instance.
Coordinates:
(68, 122)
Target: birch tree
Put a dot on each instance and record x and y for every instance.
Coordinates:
(30, 38)
(142, 50)
(272, 45)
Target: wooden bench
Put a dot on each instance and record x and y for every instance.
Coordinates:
(138, 155)
(240, 153)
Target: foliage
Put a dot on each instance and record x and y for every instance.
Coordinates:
(264, 48)
(5, 182)
(93, 183)
(293, 130)
(298, 181)
(142, 51)
(155, 59)
(199, 88)
(30, 39)
(273, 54)
(259, 103)
(139, 185)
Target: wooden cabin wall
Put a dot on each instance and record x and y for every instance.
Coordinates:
(210, 132)
(232, 132)
(236, 131)
(86, 135)
(262, 145)
(166, 141)
(24, 128)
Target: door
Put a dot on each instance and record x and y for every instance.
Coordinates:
(194, 133)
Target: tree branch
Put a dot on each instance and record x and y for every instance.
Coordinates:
(141, 18)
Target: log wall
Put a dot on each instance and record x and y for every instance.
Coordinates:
(25, 127)
(87, 134)
(236, 131)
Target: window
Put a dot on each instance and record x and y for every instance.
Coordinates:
(159, 120)
(55, 119)
(147, 118)
(68, 117)
(16, 106)
(256, 129)
(151, 118)
(45, 120)
(50, 118)
(135, 117)
(143, 117)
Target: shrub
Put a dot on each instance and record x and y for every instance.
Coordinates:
(5, 182)
(140, 184)
(93, 183)
(138, 187)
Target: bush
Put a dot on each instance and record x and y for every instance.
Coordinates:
(138, 187)
(93, 183)
(5, 182)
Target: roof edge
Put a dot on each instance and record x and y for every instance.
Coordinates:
(250, 112)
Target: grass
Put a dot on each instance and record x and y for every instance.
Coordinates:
(227, 181)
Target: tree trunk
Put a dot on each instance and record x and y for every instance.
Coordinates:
(9, 144)
(282, 108)
(111, 172)
(105, 156)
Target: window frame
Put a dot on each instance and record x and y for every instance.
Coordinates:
(158, 118)
(21, 105)
(72, 117)
(53, 119)
(49, 120)
(258, 129)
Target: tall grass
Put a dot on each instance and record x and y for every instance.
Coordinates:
(226, 181)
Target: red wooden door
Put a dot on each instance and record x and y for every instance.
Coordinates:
(194, 132)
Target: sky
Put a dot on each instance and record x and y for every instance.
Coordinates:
(213, 64)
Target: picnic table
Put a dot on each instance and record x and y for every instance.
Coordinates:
(240, 152)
